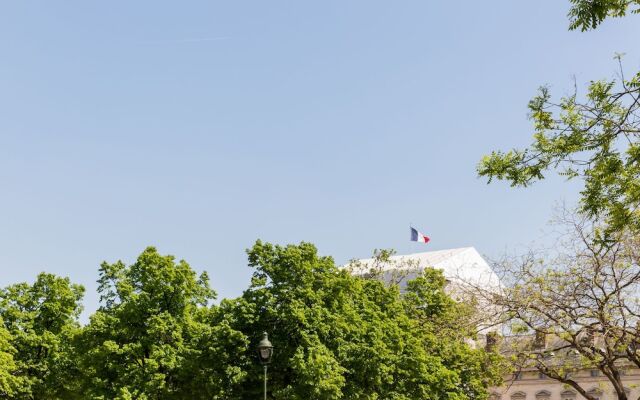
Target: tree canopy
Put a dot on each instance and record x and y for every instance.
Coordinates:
(159, 335)
(588, 14)
(594, 137)
(342, 336)
(40, 321)
(153, 336)
(576, 310)
(10, 383)
(579, 308)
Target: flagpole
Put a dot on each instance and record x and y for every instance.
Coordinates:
(409, 244)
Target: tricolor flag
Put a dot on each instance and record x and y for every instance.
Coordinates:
(418, 237)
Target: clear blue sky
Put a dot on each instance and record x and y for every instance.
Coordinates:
(200, 126)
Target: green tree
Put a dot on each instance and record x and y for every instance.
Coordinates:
(574, 311)
(339, 336)
(41, 322)
(588, 14)
(10, 382)
(594, 137)
(447, 326)
(596, 140)
(155, 335)
(581, 306)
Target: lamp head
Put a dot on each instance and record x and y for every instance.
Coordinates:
(265, 349)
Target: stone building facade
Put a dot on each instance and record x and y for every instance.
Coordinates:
(532, 385)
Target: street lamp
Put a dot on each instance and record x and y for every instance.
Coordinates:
(265, 351)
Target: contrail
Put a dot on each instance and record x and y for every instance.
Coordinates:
(189, 40)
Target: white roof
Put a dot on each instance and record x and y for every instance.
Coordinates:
(464, 264)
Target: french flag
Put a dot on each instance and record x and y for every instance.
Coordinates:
(418, 237)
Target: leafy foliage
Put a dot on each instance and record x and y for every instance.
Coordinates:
(446, 324)
(153, 337)
(595, 139)
(579, 310)
(157, 335)
(588, 14)
(340, 336)
(10, 383)
(40, 322)
(575, 311)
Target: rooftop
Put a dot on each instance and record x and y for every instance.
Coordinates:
(462, 264)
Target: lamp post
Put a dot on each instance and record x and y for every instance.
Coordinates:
(265, 351)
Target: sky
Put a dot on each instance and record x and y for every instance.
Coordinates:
(200, 126)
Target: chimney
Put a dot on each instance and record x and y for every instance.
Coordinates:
(540, 341)
(492, 341)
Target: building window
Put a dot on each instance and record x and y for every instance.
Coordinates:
(568, 395)
(517, 376)
(595, 373)
(541, 376)
(519, 396)
(543, 395)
